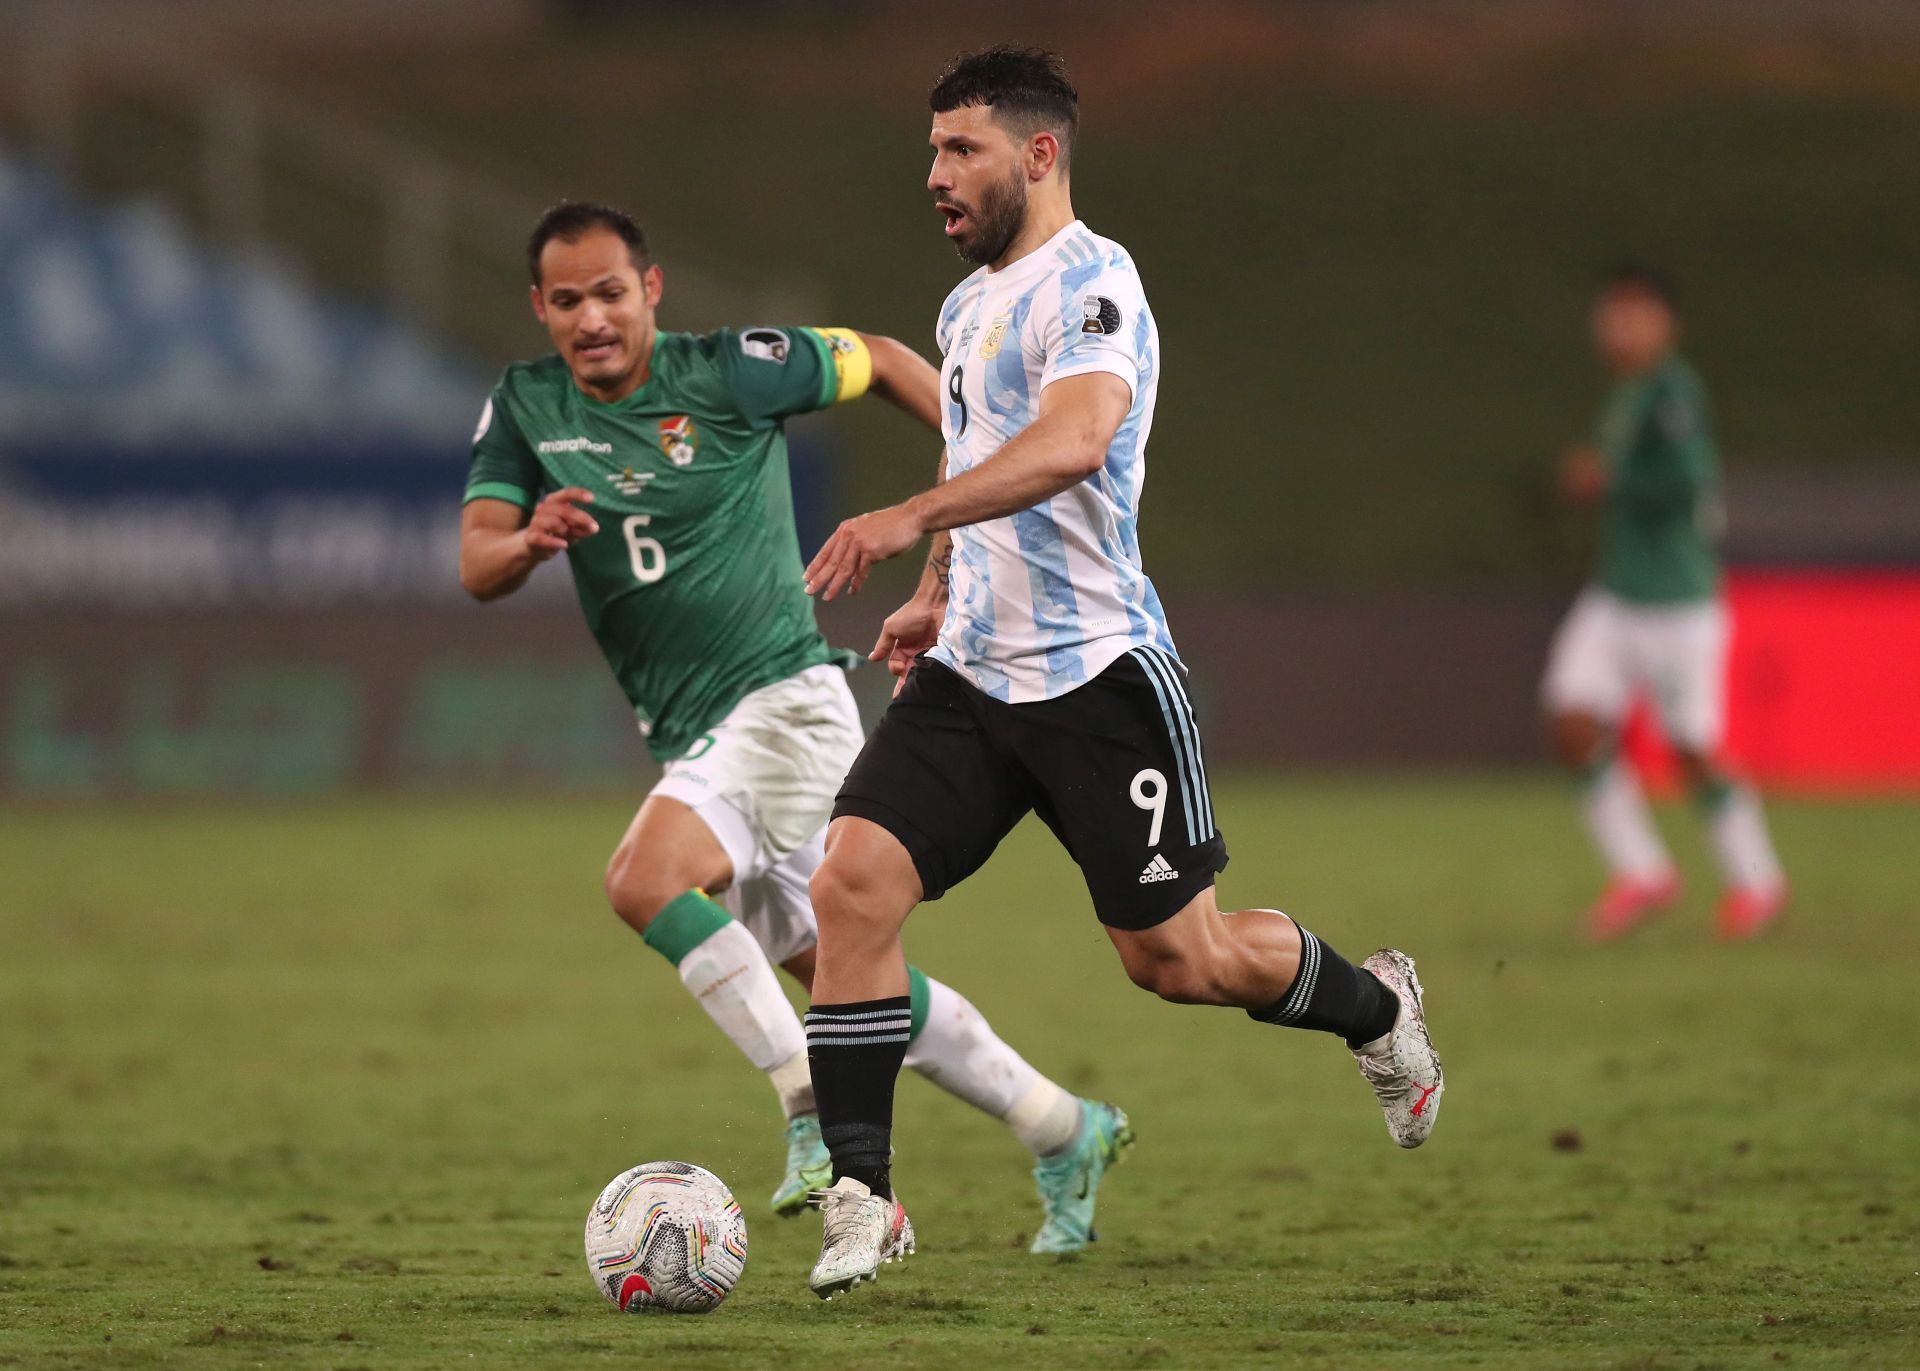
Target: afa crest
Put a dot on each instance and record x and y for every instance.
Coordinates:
(679, 439)
(996, 335)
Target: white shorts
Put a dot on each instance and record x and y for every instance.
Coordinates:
(764, 780)
(1607, 651)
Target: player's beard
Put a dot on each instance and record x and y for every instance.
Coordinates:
(998, 219)
(616, 373)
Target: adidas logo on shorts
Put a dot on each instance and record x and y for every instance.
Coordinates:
(1157, 870)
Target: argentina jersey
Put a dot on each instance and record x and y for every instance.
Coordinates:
(1044, 600)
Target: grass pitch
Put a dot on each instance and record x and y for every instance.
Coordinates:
(334, 1086)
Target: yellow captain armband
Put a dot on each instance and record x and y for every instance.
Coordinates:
(852, 363)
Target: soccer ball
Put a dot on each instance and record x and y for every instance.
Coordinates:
(666, 1238)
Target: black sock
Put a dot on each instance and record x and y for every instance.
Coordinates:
(855, 1051)
(1333, 995)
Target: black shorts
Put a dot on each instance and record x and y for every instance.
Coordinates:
(1113, 767)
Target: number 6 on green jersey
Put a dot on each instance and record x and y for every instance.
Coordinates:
(648, 557)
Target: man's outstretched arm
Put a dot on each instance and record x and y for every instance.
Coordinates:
(904, 378)
(915, 627)
(1064, 445)
(501, 543)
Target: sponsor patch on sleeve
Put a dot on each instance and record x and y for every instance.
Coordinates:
(767, 344)
(1101, 315)
(486, 421)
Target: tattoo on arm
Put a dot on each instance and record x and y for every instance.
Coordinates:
(940, 552)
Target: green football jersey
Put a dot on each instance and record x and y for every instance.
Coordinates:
(692, 587)
(1661, 527)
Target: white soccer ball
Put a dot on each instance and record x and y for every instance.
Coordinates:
(666, 1238)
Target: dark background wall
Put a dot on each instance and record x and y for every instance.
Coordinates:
(1368, 233)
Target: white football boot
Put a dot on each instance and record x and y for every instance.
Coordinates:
(1401, 1065)
(862, 1232)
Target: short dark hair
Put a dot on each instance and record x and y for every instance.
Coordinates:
(1027, 89)
(571, 219)
(1632, 274)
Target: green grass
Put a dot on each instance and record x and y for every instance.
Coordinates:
(333, 1087)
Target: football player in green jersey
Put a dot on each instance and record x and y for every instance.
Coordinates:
(657, 462)
(1652, 620)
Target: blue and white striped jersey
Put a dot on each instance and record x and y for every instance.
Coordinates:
(1045, 600)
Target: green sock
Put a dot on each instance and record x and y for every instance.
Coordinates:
(1713, 792)
(917, 994)
(687, 921)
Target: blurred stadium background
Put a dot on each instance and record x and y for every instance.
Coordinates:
(317, 1035)
(259, 262)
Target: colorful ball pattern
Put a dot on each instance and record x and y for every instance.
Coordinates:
(666, 1238)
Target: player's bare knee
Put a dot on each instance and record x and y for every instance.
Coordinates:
(1560, 741)
(637, 889)
(1697, 770)
(636, 905)
(836, 891)
(1177, 979)
(1576, 738)
(1553, 736)
(1178, 983)
(852, 903)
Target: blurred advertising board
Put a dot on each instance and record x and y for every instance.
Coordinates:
(100, 701)
(1823, 682)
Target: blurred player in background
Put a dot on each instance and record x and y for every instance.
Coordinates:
(1652, 621)
(1037, 671)
(657, 462)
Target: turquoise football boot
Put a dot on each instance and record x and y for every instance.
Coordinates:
(808, 1165)
(1069, 1180)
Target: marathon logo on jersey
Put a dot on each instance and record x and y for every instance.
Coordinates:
(486, 421)
(1159, 869)
(553, 445)
(679, 439)
(768, 344)
(1101, 315)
